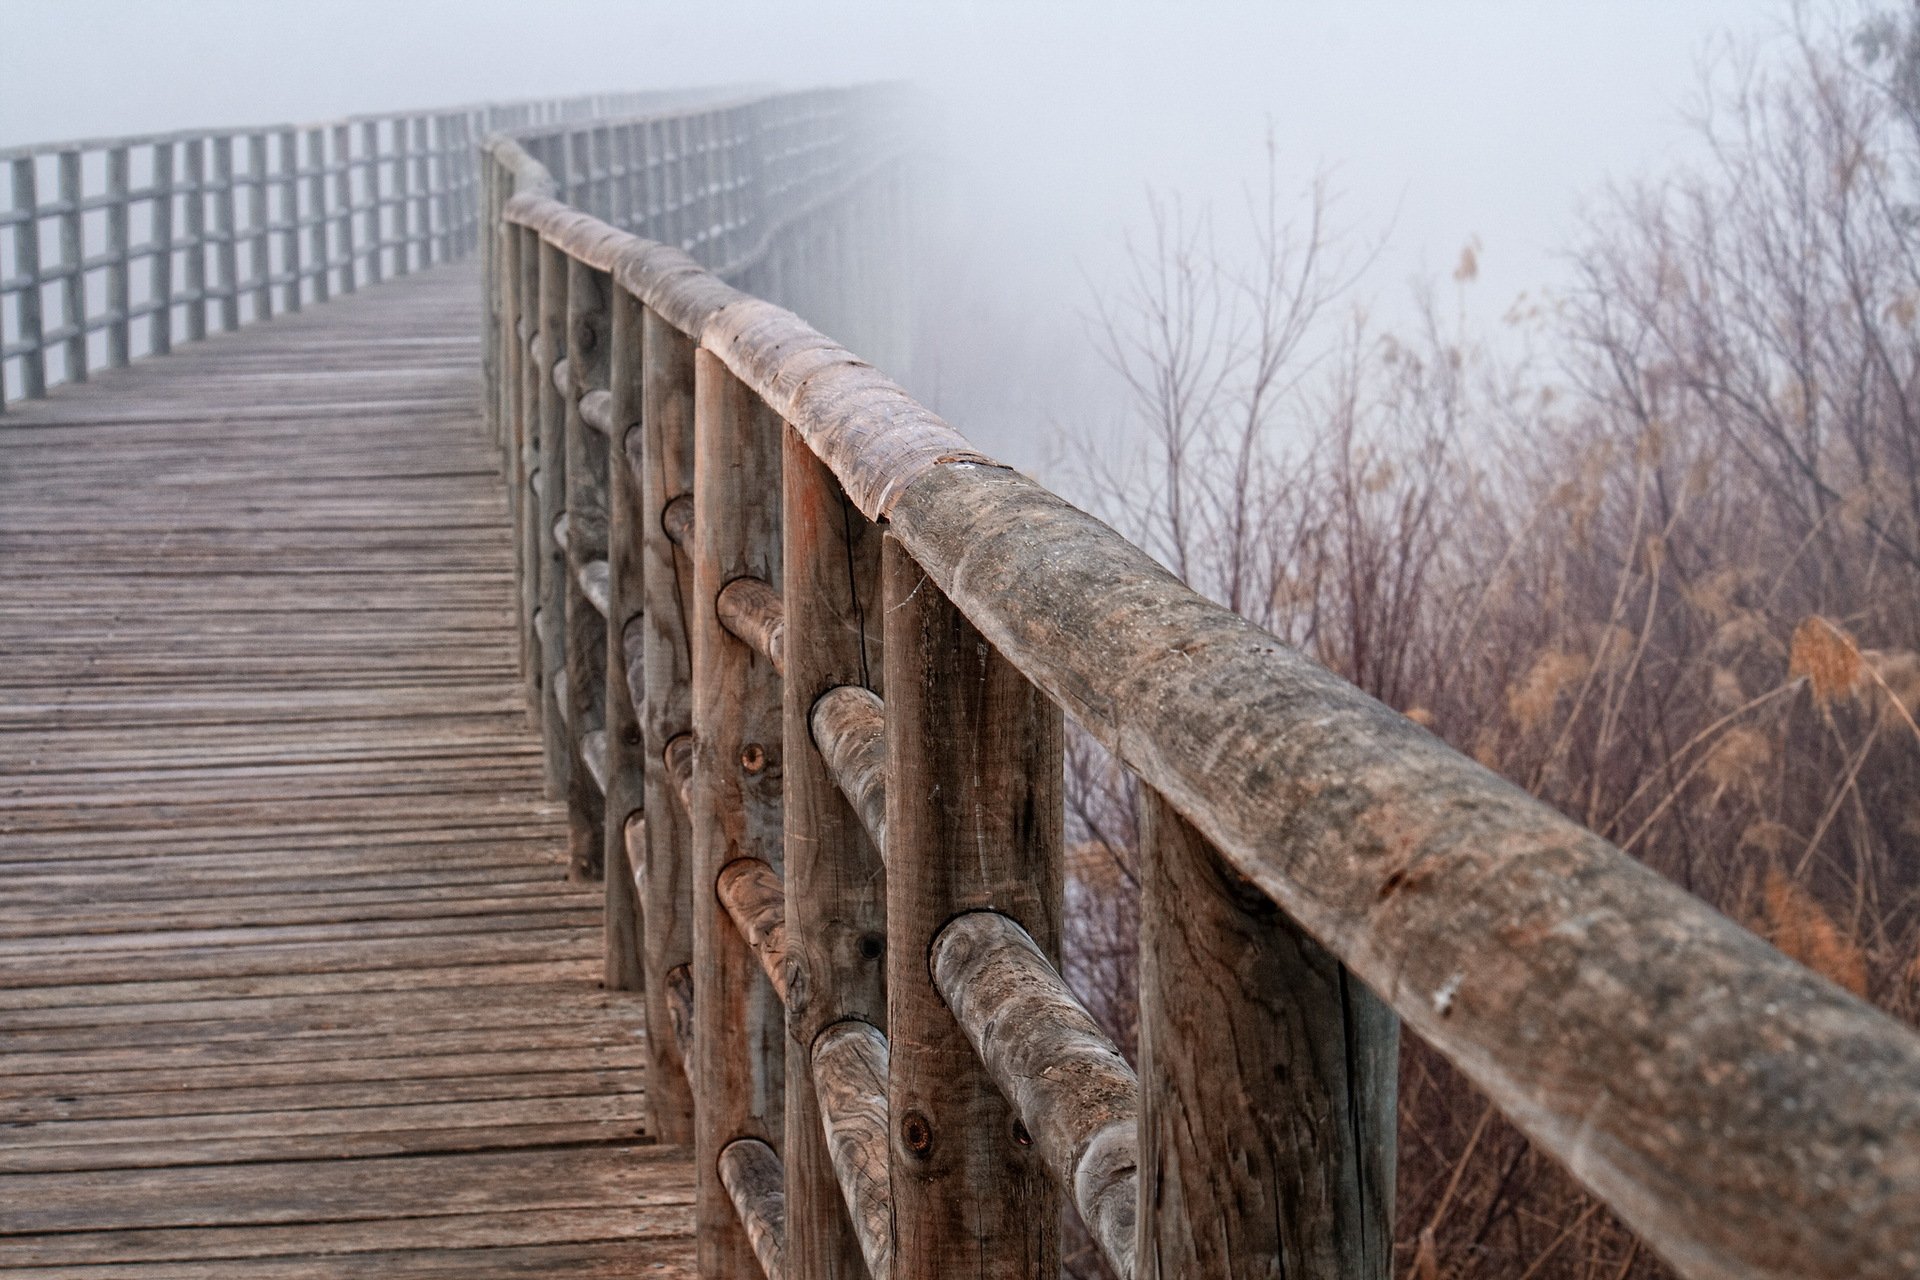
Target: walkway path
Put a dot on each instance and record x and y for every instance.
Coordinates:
(290, 981)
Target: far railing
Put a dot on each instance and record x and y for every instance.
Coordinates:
(115, 248)
(801, 656)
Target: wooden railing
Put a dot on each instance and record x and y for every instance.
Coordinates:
(114, 248)
(802, 654)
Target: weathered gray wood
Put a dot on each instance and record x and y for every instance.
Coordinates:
(667, 905)
(589, 321)
(26, 264)
(624, 604)
(973, 821)
(739, 1023)
(160, 260)
(849, 728)
(1074, 1093)
(119, 285)
(750, 1171)
(849, 1072)
(73, 287)
(288, 186)
(1268, 1072)
(836, 890)
(551, 561)
(753, 612)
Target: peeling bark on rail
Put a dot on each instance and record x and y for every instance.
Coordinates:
(1745, 1116)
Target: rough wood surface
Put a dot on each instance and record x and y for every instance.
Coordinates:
(752, 894)
(850, 1081)
(666, 907)
(1268, 1075)
(1072, 1090)
(623, 603)
(739, 1022)
(1766, 1133)
(835, 887)
(294, 983)
(973, 821)
(589, 321)
(849, 728)
(752, 610)
(549, 509)
(750, 1171)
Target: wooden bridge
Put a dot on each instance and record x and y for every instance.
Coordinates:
(316, 961)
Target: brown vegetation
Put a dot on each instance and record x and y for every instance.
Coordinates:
(1673, 589)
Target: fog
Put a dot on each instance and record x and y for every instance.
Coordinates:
(1478, 120)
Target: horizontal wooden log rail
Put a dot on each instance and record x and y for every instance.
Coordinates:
(236, 225)
(841, 641)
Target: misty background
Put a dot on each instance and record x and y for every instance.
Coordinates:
(1484, 122)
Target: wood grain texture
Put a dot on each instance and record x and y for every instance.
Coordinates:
(849, 1071)
(849, 729)
(295, 985)
(666, 907)
(739, 1022)
(589, 322)
(750, 1171)
(835, 887)
(554, 573)
(973, 821)
(1268, 1081)
(1074, 1093)
(624, 607)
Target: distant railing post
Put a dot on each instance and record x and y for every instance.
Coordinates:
(376, 234)
(198, 300)
(225, 224)
(160, 259)
(73, 260)
(259, 226)
(319, 250)
(974, 821)
(739, 1024)
(835, 882)
(666, 864)
(401, 200)
(289, 184)
(343, 166)
(26, 262)
(119, 306)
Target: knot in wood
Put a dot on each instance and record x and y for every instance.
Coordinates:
(917, 1132)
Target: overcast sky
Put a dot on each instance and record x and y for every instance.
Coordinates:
(1447, 119)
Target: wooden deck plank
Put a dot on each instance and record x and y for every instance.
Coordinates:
(291, 981)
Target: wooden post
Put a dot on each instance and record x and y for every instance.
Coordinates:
(586, 507)
(1267, 1082)
(26, 265)
(402, 206)
(626, 636)
(423, 191)
(160, 263)
(289, 184)
(261, 245)
(836, 908)
(343, 199)
(739, 1025)
(225, 222)
(973, 821)
(318, 249)
(119, 324)
(73, 254)
(375, 225)
(526, 459)
(666, 898)
(551, 562)
(199, 301)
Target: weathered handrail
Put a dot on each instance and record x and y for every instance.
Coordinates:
(233, 225)
(1305, 848)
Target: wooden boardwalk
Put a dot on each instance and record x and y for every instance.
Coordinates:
(291, 983)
